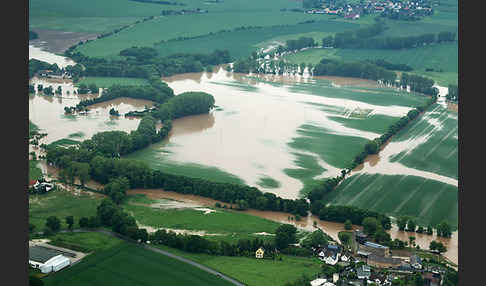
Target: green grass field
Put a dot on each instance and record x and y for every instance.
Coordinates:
(428, 201)
(253, 272)
(128, 264)
(243, 42)
(34, 171)
(61, 204)
(88, 241)
(267, 182)
(231, 225)
(109, 81)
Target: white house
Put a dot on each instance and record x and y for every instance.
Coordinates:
(47, 259)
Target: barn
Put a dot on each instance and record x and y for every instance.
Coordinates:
(47, 259)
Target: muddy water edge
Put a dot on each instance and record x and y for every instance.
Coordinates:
(330, 228)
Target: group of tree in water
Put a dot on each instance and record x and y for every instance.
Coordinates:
(453, 93)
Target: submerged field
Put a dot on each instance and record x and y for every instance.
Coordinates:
(313, 130)
(421, 163)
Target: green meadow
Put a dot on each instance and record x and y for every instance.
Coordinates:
(227, 224)
(114, 265)
(61, 204)
(34, 171)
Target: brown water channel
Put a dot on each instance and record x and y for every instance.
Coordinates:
(330, 228)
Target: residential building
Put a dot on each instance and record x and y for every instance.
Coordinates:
(431, 279)
(416, 261)
(259, 253)
(363, 272)
(374, 248)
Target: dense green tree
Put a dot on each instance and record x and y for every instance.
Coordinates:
(315, 239)
(285, 235)
(117, 189)
(444, 229)
(402, 223)
(70, 221)
(411, 225)
(345, 237)
(348, 225)
(370, 225)
(53, 223)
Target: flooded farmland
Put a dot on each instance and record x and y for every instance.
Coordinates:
(260, 128)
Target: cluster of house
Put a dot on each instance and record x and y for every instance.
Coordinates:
(53, 74)
(40, 186)
(374, 255)
(183, 12)
(353, 11)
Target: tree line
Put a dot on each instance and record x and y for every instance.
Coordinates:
(351, 40)
(364, 70)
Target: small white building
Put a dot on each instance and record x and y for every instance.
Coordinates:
(47, 259)
(318, 282)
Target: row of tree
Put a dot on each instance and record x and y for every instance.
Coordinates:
(351, 40)
(390, 66)
(419, 84)
(364, 70)
(300, 43)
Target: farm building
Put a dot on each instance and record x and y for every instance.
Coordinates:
(383, 262)
(374, 248)
(47, 259)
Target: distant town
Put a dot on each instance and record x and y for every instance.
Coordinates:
(399, 10)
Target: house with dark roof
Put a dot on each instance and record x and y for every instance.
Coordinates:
(363, 272)
(416, 261)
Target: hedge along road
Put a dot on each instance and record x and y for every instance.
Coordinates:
(163, 252)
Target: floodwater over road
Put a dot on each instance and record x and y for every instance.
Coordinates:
(39, 54)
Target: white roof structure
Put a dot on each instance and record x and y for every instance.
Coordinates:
(46, 259)
(318, 282)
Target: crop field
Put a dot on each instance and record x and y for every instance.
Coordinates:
(256, 272)
(61, 204)
(220, 224)
(428, 201)
(88, 241)
(438, 129)
(129, 264)
(109, 81)
(429, 144)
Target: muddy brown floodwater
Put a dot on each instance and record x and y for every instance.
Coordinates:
(248, 134)
(330, 228)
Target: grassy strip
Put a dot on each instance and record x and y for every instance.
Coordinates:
(35, 172)
(105, 82)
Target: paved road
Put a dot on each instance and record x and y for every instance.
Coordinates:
(166, 253)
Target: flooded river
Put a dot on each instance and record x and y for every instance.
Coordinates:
(330, 228)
